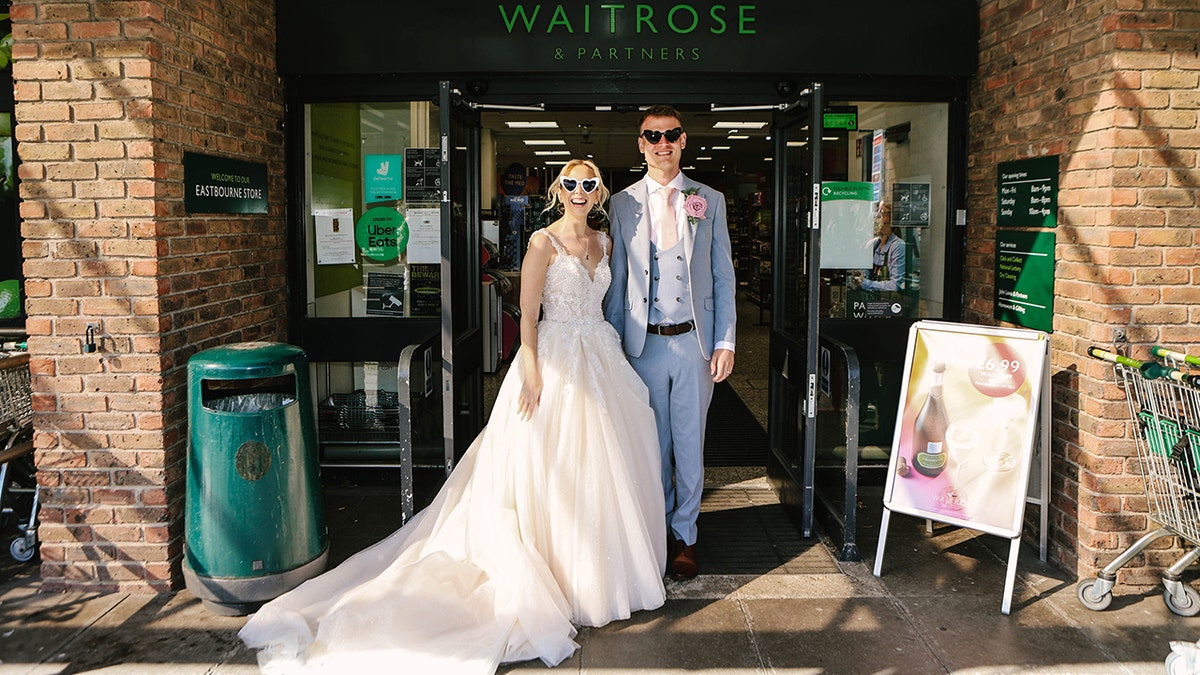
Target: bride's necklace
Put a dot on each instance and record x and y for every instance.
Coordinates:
(587, 247)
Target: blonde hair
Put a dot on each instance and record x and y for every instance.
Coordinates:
(554, 192)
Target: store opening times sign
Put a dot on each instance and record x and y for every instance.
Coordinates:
(1027, 193)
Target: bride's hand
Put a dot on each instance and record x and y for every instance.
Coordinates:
(530, 397)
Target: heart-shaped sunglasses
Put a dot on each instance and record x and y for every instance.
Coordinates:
(589, 185)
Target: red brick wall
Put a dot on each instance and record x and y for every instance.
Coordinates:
(109, 97)
(1112, 88)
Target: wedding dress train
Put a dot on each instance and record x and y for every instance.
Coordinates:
(544, 525)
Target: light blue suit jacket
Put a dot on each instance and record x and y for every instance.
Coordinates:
(709, 263)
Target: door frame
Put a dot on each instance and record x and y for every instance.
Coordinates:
(792, 367)
(461, 276)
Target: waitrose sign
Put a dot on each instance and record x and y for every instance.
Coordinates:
(521, 36)
(642, 21)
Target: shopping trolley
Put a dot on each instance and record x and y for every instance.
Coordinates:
(1164, 401)
(18, 479)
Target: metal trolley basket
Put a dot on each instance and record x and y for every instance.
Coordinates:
(18, 480)
(1164, 401)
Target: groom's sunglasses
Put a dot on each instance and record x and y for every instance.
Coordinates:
(589, 185)
(654, 135)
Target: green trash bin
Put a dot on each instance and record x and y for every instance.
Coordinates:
(255, 521)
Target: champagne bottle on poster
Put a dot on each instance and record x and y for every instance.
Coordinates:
(929, 431)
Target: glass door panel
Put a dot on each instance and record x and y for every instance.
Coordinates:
(461, 279)
(886, 171)
(792, 377)
(363, 252)
(362, 281)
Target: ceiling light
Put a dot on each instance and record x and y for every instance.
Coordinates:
(550, 124)
(737, 137)
(544, 153)
(555, 162)
(829, 138)
(739, 125)
(703, 159)
(720, 147)
(797, 144)
(604, 108)
(768, 159)
(545, 142)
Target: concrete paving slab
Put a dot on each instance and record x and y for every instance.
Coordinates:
(970, 632)
(685, 635)
(128, 633)
(1139, 631)
(838, 635)
(34, 627)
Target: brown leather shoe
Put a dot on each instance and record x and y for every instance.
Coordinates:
(683, 563)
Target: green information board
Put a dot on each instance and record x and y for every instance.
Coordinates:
(1027, 193)
(222, 185)
(1025, 278)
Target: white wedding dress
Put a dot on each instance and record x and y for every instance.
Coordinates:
(544, 525)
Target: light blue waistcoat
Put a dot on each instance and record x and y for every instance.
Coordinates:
(671, 297)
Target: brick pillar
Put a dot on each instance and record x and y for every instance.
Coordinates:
(1114, 93)
(109, 97)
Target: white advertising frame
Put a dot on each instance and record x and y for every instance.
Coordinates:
(989, 489)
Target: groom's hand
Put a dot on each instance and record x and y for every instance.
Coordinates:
(721, 364)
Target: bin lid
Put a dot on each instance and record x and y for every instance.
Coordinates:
(246, 360)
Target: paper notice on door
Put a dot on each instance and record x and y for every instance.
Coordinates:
(334, 236)
(424, 235)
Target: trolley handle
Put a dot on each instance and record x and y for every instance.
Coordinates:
(1151, 370)
(1164, 353)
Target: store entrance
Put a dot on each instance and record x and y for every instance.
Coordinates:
(407, 344)
(766, 178)
(730, 151)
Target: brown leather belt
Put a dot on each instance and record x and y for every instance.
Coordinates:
(668, 331)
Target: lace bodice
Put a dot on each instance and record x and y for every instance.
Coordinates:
(571, 295)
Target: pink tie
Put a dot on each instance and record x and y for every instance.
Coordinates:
(667, 231)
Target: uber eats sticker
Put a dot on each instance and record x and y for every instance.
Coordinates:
(381, 234)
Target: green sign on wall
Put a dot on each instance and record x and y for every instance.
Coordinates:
(1025, 278)
(223, 185)
(1027, 193)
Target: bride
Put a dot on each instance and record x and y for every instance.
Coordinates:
(553, 519)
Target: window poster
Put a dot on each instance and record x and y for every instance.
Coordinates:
(425, 286)
(385, 294)
(847, 225)
(381, 234)
(966, 429)
(423, 174)
(910, 204)
(424, 235)
(333, 235)
(383, 178)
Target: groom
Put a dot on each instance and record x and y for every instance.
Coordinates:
(672, 302)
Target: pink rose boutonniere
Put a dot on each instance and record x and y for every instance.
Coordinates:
(695, 206)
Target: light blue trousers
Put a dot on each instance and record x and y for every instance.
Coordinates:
(681, 387)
